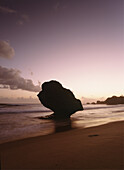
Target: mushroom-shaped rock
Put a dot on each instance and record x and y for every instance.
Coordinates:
(60, 100)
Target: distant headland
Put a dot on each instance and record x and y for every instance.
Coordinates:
(111, 101)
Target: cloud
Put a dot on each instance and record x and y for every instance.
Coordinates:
(6, 10)
(22, 18)
(25, 17)
(57, 6)
(11, 78)
(20, 22)
(31, 73)
(18, 100)
(6, 51)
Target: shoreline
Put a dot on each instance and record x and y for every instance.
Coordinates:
(58, 127)
(99, 147)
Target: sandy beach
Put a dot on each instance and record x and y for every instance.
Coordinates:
(100, 147)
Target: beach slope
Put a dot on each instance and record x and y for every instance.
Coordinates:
(100, 147)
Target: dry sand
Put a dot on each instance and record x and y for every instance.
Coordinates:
(99, 147)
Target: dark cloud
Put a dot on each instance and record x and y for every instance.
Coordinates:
(6, 51)
(6, 10)
(11, 78)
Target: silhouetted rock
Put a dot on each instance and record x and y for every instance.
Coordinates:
(115, 100)
(60, 100)
(100, 102)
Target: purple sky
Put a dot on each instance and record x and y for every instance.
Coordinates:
(77, 42)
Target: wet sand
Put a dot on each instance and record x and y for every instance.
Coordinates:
(100, 147)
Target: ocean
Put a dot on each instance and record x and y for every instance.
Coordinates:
(19, 121)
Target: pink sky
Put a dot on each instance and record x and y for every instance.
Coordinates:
(79, 43)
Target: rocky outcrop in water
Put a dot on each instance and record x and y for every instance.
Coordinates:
(114, 100)
(59, 99)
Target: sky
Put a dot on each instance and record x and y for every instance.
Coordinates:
(79, 43)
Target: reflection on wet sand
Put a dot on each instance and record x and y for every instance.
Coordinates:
(63, 125)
